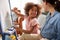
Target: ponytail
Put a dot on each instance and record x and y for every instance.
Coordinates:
(57, 6)
(54, 3)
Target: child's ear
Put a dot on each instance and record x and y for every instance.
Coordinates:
(27, 13)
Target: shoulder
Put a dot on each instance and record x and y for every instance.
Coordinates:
(57, 15)
(34, 21)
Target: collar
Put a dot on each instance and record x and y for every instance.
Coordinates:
(53, 14)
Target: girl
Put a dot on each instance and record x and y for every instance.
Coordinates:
(32, 11)
(32, 26)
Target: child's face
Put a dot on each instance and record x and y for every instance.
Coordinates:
(33, 12)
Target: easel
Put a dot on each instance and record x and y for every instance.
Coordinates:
(1, 29)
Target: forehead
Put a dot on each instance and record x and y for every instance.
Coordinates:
(34, 7)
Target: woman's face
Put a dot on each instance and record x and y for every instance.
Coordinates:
(33, 12)
(45, 6)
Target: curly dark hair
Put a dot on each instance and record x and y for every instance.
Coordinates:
(29, 6)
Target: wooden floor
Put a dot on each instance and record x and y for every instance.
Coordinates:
(0, 37)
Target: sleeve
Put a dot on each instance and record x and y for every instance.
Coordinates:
(58, 31)
(35, 22)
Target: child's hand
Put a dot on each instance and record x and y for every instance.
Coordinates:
(19, 30)
(13, 37)
(15, 10)
(22, 18)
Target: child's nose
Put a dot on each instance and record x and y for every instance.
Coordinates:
(34, 11)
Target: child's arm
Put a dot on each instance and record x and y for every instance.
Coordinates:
(16, 23)
(17, 12)
(19, 29)
(29, 31)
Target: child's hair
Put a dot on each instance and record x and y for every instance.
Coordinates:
(54, 3)
(29, 6)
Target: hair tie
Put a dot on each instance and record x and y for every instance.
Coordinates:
(58, 0)
(55, 2)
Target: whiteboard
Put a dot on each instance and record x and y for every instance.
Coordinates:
(5, 12)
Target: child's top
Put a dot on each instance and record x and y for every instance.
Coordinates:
(32, 23)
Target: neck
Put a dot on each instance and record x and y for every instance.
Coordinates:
(52, 10)
(30, 18)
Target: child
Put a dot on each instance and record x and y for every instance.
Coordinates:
(32, 11)
(18, 21)
(32, 26)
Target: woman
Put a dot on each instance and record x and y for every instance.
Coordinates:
(51, 29)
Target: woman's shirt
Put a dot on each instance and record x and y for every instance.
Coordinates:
(51, 29)
(32, 23)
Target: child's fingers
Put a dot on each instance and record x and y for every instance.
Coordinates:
(18, 10)
(15, 8)
(22, 19)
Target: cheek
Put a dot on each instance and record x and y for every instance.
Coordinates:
(29, 12)
(46, 8)
(36, 13)
(43, 5)
(32, 13)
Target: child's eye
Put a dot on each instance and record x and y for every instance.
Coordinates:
(35, 10)
(32, 10)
